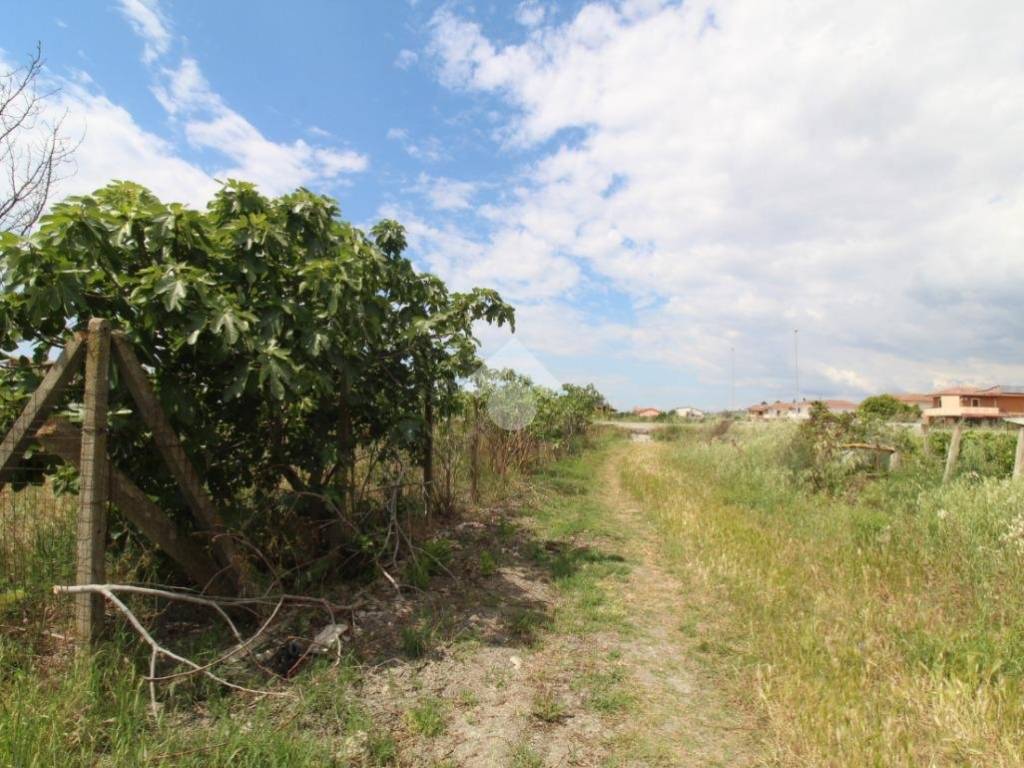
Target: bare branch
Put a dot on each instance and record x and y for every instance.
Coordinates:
(35, 153)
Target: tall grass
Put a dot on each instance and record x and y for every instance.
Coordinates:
(882, 627)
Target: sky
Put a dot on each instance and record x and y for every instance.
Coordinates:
(693, 203)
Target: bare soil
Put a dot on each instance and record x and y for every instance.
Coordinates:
(587, 663)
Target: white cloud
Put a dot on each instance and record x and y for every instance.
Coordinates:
(518, 265)
(446, 194)
(428, 150)
(849, 169)
(148, 22)
(530, 13)
(209, 123)
(406, 58)
(114, 146)
(849, 379)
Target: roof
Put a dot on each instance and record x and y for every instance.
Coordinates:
(1006, 389)
(912, 397)
(1013, 390)
(959, 391)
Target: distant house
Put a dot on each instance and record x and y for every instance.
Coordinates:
(687, 412)
(797, 411)
(975, 404)
(646, 413)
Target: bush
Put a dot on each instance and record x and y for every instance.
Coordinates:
(282, 341)
(888, 408)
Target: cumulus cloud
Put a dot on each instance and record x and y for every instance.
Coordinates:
(446, 194)
(149, 23)
(209, 123)
(530, 13)
(518, 264)
(114, 146)
(742, 169)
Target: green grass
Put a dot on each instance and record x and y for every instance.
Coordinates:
(37, 550)
(881, 627)
(427, 718)
(95, 711)
(587, 574)
(416, 641)
(548, 707)
(524, 756)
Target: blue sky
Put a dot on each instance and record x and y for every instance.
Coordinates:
(654, 184)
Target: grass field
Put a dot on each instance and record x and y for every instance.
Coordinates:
(883, 627)
(672, 602)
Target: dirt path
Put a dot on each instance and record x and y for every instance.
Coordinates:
(574, 652)
(692, 717)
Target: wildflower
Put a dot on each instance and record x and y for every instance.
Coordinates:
(1014, 536)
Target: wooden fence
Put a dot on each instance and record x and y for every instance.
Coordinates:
(212, 562)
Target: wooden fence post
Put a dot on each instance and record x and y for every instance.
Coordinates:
(94, 479)
(1018, 459)
(954, 452)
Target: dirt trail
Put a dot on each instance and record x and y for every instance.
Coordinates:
(682, 704)
(609, 679)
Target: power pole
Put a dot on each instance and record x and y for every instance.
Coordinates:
(796, 361)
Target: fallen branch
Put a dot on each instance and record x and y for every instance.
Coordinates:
(868, 447)
(216, 604)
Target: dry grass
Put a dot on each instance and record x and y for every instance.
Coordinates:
(883, 631)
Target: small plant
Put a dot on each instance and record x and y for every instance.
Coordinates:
(433, 558)
(416, 573)
(488, 565)
(524, 624)
(427, 718)
(505, 530)
(524, 756)
(381, 750)
(438, 553)
(416, 641)
(548, 708)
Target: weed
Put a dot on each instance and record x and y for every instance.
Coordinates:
(524, 624)
(416, 641)
(524, 756)
(381, 750)
(548, 708)
(427, 718)
(886, 610)
(488, 564)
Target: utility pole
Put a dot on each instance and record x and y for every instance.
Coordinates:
(796, 361)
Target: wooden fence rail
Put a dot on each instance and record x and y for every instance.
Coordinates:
(224, 571)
